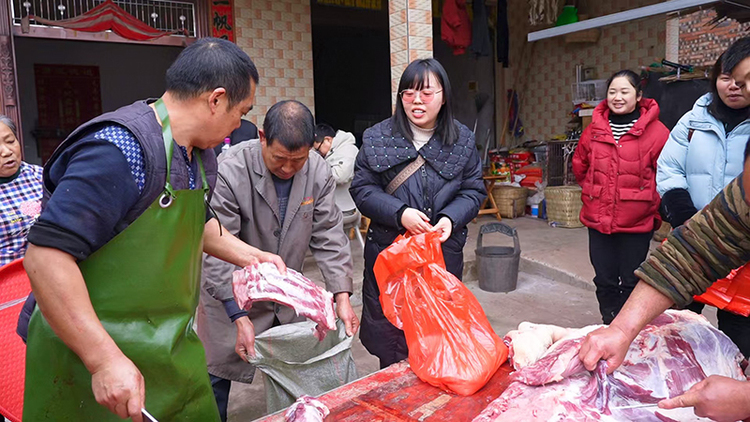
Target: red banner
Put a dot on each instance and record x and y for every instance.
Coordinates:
(222, 19)
(106, 16)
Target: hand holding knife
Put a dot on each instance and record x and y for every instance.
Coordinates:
(147, 416)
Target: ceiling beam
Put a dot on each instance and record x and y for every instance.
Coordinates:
(625, 16)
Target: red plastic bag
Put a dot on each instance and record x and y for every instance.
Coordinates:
(731, 294)
(451, 343)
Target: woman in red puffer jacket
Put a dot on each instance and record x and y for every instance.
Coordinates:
(615, 164)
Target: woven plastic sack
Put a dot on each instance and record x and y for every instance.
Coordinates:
(731, 294)
(451, 343)
(294, 363)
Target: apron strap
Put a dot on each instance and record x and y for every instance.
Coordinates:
(203, 173)
(166, 132)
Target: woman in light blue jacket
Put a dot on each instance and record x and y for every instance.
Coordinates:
(704, 153)
(705, 149)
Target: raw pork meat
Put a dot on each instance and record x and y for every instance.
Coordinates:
(264, 282)
(306, 409)
(530, 341)
(670, 355)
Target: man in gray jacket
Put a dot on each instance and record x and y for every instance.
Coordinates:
(340, 150)
(277, 195)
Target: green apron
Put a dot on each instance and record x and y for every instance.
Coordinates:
(144, 287)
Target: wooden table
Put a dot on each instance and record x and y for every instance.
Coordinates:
(489, 184)
(396, 394)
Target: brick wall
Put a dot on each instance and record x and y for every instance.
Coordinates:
(550, 69)
(411, 36)
(277, 35)
(702, 44)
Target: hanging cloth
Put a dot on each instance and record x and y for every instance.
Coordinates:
(481, 45)
(503, 35)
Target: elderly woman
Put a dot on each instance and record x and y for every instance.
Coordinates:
(20, 194)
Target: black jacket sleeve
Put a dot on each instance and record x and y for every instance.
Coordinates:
(677, 207)
(369, 194)
(465, 205)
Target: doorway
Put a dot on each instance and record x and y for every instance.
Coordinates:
(351, 64)
(69, 71)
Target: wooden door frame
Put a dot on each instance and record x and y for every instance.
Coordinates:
(9, 100)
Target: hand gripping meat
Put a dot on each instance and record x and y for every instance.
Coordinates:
(671, 354)
(263, 282)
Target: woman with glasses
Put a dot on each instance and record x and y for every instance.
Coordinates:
(417, 171)
(615, 164)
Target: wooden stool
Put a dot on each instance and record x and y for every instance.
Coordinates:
(489, 184)
(364, 225)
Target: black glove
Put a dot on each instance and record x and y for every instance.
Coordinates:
(677, 207)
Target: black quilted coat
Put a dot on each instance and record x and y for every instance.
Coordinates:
(448, 184)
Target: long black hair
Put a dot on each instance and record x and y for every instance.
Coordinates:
(631, 76)
(716, 107)
(416, 76)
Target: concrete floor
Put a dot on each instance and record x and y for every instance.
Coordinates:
(555, 286)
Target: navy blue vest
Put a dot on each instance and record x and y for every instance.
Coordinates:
(140, 119)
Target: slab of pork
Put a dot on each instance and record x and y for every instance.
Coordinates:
(264, 282)
(306, 409)
(670, 355)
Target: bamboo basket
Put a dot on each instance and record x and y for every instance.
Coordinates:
(563, 206)
(510, 200)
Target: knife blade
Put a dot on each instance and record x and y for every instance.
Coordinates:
(147, 415)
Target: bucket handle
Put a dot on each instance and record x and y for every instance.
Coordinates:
(499, 228)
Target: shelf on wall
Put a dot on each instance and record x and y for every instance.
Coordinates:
(625, 16)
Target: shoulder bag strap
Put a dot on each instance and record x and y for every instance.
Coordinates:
(404, 174)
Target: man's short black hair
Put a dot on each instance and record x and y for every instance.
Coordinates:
(291, 123)
(322, 130)
(211, 63)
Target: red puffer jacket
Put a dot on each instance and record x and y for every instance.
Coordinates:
(619, 178)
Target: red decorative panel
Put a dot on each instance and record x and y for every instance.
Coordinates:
(222, 19)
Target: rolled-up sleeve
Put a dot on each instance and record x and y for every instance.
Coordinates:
(706, 248)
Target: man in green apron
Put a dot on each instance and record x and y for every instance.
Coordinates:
(115, 259)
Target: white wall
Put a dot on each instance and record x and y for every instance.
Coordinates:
(127, 72)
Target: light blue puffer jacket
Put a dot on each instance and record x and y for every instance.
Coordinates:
(708, 162)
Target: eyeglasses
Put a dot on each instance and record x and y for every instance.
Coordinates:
(426, 95)
(318, 145)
